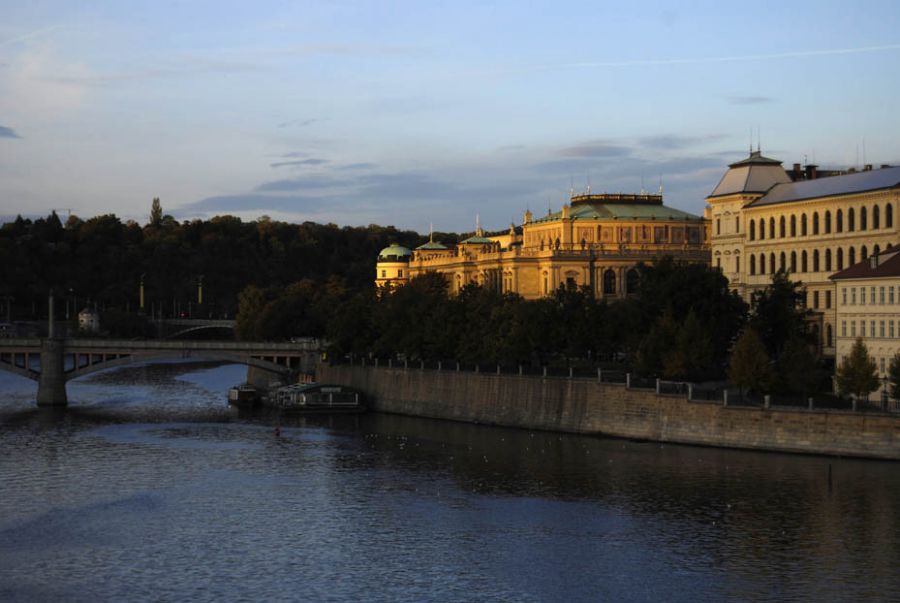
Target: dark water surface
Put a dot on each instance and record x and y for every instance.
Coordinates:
(150, 488)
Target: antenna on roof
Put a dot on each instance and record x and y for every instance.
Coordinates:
(864, 151)
(751, 140)
(643, 190)
(660, 185)
(589, 182)
(431, 232)
(758, 138)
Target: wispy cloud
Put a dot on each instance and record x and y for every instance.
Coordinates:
(595, 149)
(300, 123)
(729, 58)
(32, 34)
(312, 161)
(8, 133)
(673, 142)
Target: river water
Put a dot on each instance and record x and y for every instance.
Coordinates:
(150, 488)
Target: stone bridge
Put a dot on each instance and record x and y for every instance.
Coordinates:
(53, 361)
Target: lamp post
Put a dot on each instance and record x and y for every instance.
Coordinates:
(884, 392)
(200, 290)
(141, 290)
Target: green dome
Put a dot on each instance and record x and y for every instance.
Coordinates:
(394, 253)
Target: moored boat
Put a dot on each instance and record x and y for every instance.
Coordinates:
(243, 395)
(320, 397)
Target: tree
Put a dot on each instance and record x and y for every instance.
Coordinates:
(156, 214)
(691, 355)
(798, 370)
(894, 376)
(749, 366)
(858, 373)
(778, 314)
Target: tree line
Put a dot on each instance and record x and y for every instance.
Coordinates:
(101, 261)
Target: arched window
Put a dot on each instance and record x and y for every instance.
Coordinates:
(863, 218)
(793, 261)
(752, 264)
(889, 215)
(876, 217)
(781, 227)
(815, 222)
(803, 225)
(851, 220)
(793, 226)
(815, 260)
(863, 253)
(609, 282)
(718, 226)
(631, 281)
(827, 260)
(762, 263)
(803, 261)
(827, 222)
(772, 263)
(851, 257)
(782, 263)
(876, 250)
(828, 335)
(771, 228)
(839, 219)
(752, 230)
(839, 260)
(762, 229)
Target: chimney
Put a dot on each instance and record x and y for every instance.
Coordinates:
(867, 167)
(797, 172)
(811, 171)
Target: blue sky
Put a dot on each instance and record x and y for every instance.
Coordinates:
(411, 113)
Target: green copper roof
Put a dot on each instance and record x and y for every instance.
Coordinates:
(394, 252)
(621, 211)
(432, 245)
(477, 241)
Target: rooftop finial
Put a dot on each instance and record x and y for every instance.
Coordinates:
(758, 144)
(431, 232)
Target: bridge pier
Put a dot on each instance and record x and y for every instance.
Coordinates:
(52, 382)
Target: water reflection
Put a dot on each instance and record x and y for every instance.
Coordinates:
(151, 486)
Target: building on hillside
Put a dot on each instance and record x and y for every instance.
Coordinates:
(89, 321)
(595, 241)
(392, 267)
(867, 305)
(764, 218)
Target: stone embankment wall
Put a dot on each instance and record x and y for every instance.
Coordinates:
(585, 406)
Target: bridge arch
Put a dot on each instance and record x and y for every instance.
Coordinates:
(265, 365)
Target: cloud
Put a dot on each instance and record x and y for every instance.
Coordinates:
(312, 161)
(671, 142)
(596, 149)
(358, 166)
(298, 184)
(8, 133)
(750, 100)
(300, 123)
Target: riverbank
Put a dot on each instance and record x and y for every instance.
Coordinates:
(588, 407)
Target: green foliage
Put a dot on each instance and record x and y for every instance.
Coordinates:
(798, 370)
(858, 373)
(156, 214)
(749, 367)
(894, 376)
(777, 314)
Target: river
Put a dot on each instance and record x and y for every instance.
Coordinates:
(150, 488)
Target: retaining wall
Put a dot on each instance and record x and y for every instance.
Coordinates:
(585, 406)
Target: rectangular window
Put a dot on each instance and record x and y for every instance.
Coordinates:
(843, 328)
(816, 300)
(872, 296)
(881, 328)
(844, 295)
(862, 296)
(871, 328)
(852, 328)
(891, 328)
(828, 299)
(383, 273)
(881, 295)
(882, 365)
(399, 274)
(891, 295)
(737, 264)
(853, 296)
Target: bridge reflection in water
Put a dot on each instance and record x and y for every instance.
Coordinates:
(54, 361)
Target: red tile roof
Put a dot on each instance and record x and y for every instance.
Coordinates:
(885, 264)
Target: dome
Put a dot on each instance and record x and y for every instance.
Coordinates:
(394, 253)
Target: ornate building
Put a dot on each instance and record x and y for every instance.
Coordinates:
(596, 240)
(810, 224)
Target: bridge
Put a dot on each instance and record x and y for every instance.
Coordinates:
(54, 361)
(172, 328)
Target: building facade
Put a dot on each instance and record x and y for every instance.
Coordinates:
(764, 219)
(596, 241)
(867, 305)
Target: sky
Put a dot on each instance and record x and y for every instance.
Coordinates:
(421, 113)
